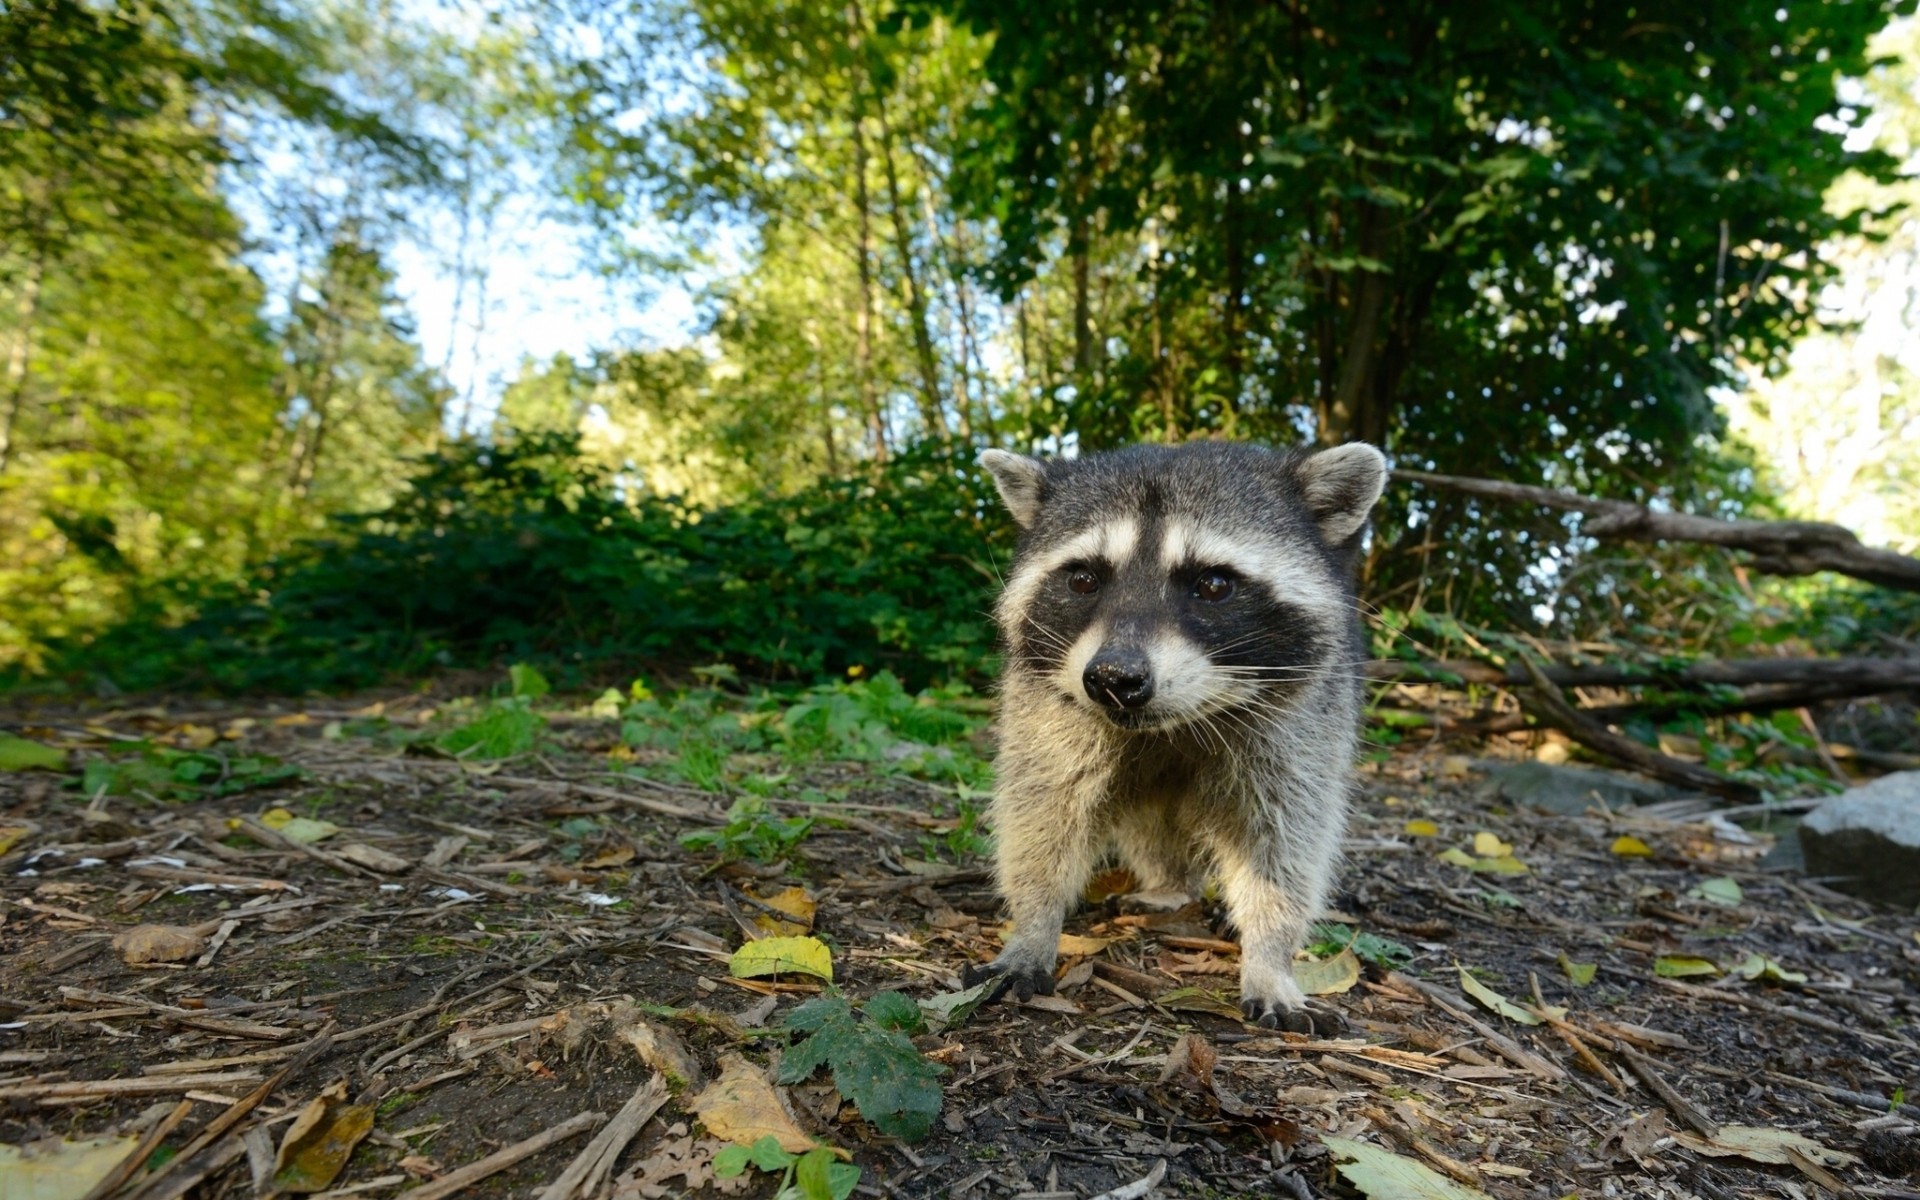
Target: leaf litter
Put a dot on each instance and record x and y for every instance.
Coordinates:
(255, 911)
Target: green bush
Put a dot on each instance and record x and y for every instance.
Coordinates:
(524, 551)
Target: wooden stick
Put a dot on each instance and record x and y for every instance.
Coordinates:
(590, 1169)
(1779, 547)
(1681, 1106)
(1553, 709)
(455, 1182)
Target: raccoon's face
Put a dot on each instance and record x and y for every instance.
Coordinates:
(1161, 585)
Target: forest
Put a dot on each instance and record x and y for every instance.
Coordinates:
(494, 560)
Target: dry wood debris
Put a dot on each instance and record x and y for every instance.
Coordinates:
(487, 962)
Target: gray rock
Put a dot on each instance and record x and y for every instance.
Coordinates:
(1570, 789)
(1869, 839)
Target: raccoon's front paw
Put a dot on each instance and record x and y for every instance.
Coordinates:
(1305, 1018)
(1023, 980)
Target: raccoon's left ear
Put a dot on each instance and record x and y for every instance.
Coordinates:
(1018, 478)
(1341, 486)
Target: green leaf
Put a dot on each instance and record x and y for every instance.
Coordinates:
(1720, 890)
(1497, 1003)
(878, 1069)
(19, 754)
(1581, 974)
(730, 1161)
(783, 956)
(1678, 966)
(1759, 966)
(1384, 1175)
(891, 1010)
(768, 1155)
(817, 1178)
(949, 1009)
(528, 682)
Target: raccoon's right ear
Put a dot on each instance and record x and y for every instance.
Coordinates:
(1018, 478)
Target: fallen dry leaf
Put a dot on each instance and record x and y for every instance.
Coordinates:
(741, 1106)
(1328, 976)
(53, 1169)
(796, 909)
(320, 1140)
(159, 944)
(1760, 1144)
(661, 1049)
(372, 857)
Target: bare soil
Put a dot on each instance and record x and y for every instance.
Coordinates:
(479, 992)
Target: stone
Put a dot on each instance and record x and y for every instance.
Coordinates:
(1569, 790)
(1866, 841)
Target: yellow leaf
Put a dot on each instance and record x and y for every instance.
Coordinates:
(304, 830)
(1072, 945)
(1675, 966)
(1421, 828)
(741, 1107)
(1488, 846)
(1494, 1002)
(1505, 865)
(1628, 846)
(1581, 974)
(783, 956)
(1775, 1146)
(196, 737)
(1328, 976)
(795, 906)
(51, 1169)
(1384, 1175)
(10, 836)
(320, 1141)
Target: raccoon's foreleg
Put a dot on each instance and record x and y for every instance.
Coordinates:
(1275, 877)
(1045, 828)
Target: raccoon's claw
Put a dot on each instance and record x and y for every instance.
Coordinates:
(1003, 977)
(1306, 1019)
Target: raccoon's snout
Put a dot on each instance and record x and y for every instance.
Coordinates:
(1119, 679)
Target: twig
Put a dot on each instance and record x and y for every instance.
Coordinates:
(1811, 1020)
(111, 1181)
(1139, 1187)
(590, 1169)
(455, 1182)
(227, 1120)
(1681, 1106)
(1456, 1006)
(1553, 709)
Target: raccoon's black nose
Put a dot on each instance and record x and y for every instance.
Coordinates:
(1119, 680)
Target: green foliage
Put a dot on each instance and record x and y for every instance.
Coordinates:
(502, 729)
(751, 832)
(161, 773)
(525, 550)
(815, 1175)
(874, 1064)
(1330, 937)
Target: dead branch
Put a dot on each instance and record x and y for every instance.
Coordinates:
(1778, 547)
(1868, 675)
(1546, 701)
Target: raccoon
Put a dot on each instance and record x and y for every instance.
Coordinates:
(1181, 690)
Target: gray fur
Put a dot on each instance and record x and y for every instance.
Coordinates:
(1233, 757)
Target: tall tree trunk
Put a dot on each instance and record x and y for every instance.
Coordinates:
(20, 354)
(863, 317)
(1353, 410)
(932, 412)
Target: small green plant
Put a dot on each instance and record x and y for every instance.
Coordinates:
(1330, 938)
(751, 832)
(964, 841)
(506, 725)
(815, 1175)
(179, 774)
(874, 1064)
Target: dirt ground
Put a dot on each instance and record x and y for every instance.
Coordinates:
(480, 955)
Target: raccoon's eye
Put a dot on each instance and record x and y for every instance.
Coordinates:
(1084, 581)
(1214, 586)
